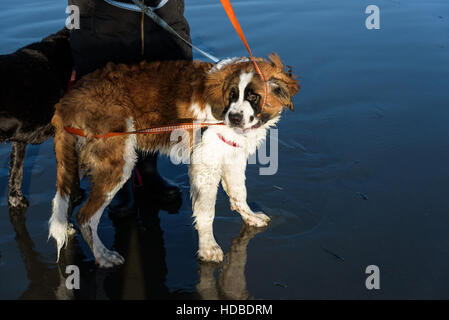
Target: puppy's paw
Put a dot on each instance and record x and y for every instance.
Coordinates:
(211, 254)
(17, 200)
(108, 259)
(258, 220)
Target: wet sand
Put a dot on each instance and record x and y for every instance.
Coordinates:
(363, 168)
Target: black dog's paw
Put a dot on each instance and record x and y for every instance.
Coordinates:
(17, 200)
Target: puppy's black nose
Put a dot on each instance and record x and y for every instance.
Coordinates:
(235, 118)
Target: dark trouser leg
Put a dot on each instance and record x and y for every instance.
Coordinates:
(123, 204)
(158, 187)
(153, 185)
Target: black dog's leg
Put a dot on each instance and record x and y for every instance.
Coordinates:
(17, 156)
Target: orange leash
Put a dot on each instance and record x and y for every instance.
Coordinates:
(231, 15)
(154, 130)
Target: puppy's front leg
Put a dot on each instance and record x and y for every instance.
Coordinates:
(234, 184)
(204, 180)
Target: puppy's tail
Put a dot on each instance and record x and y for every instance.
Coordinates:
(67, 171)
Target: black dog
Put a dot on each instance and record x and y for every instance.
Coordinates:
(32, 80)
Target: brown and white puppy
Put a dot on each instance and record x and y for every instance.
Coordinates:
(129, 97)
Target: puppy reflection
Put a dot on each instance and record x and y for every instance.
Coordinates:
(46, 282)
(231, 283)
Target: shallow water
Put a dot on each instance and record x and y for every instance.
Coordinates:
(362, 179)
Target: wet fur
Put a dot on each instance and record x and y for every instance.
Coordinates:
(32, 80)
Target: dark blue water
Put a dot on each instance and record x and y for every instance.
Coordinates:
(363, 173)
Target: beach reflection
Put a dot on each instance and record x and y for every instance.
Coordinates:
(45, 281)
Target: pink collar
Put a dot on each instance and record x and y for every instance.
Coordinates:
(232, 144)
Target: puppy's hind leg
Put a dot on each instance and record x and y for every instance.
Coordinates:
(234, 185)
(17, 156)
(88, 219)
(108, 177)
(67, 168)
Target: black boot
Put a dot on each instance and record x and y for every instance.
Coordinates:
(123, 204)
(152, 182)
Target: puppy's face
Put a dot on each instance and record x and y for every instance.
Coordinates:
(243, 101)
(236, 93)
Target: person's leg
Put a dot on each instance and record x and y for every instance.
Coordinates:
(159, 46)
(123, 204)
(152, 180)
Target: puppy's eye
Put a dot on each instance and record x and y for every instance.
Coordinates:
(232, 95)
(253, 98)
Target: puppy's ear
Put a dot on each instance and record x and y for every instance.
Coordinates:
(283, 83)
(216, 87)
(284, 89)
(214, 90)
(276, 62)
